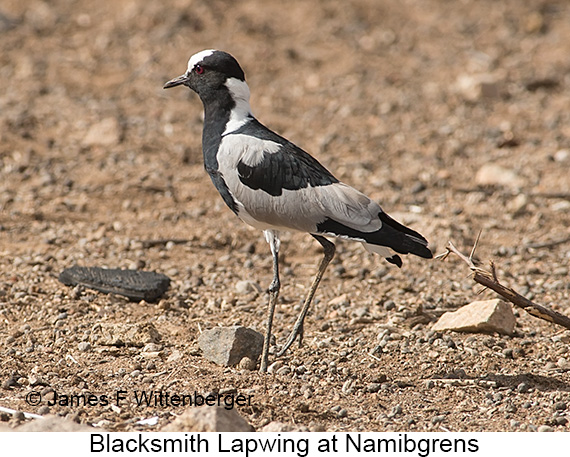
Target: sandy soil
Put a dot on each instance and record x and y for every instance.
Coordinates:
(409, 101)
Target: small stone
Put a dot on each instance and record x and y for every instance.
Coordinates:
(106, 132)
(396, 410)
(518, 204)
(228, 345)
(562, 155)
(340, 301)
(275, 366)
(279, 427)
(476, 87)
(152, 347)
(84, 346)
(479, 316)
(245, 287)
(437, 419)
(283, 371)
(491, 174)
(510, 408)
(209, 419)
(560, 406)
(343, 413)
(522, 388)
(247, 364)
(373, 387)
(518, 353)
(545, 428)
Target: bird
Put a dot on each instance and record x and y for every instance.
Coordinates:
(274, 185)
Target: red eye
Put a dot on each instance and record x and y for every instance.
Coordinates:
(199, 69)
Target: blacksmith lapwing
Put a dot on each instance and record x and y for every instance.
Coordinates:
(273, 185)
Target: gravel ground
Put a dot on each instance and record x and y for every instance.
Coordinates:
(453, 115)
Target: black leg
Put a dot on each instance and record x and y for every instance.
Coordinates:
(298, 327)
(273, 241)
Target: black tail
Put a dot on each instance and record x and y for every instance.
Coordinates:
(393, 235)
(400, 238)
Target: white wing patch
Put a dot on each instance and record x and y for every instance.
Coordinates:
(247, 149)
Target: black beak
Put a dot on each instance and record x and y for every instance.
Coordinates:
(176, 81)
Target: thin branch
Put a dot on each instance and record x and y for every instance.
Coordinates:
(489, 280)
(548, 244)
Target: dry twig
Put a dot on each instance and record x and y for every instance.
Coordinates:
(489, 280)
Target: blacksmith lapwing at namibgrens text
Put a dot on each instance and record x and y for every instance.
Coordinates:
(273, 185)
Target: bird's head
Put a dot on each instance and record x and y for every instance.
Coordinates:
(209, 71)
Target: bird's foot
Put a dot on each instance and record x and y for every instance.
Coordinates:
(298, 331)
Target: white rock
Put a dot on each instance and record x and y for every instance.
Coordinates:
(479, 316)
(476, 87)
(562, 155)
(491, 174)
(279, 427)
(245, 287)
(106, 132)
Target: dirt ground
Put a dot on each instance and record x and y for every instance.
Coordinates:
(410, 102)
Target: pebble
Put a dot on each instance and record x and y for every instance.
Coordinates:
(494, 175)
(84, 346)
(152, 347)
(106, 132)
(275, 366)
(523, 387)
(247, 364)
(373, 387)
(283, 371)
(209, 419)
(474, 87)
(437, 419)
(245, 287)
(560, 406)
(545, 428)
(228, 345)
(395, 411)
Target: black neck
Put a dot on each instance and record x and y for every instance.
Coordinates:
(217, 110)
